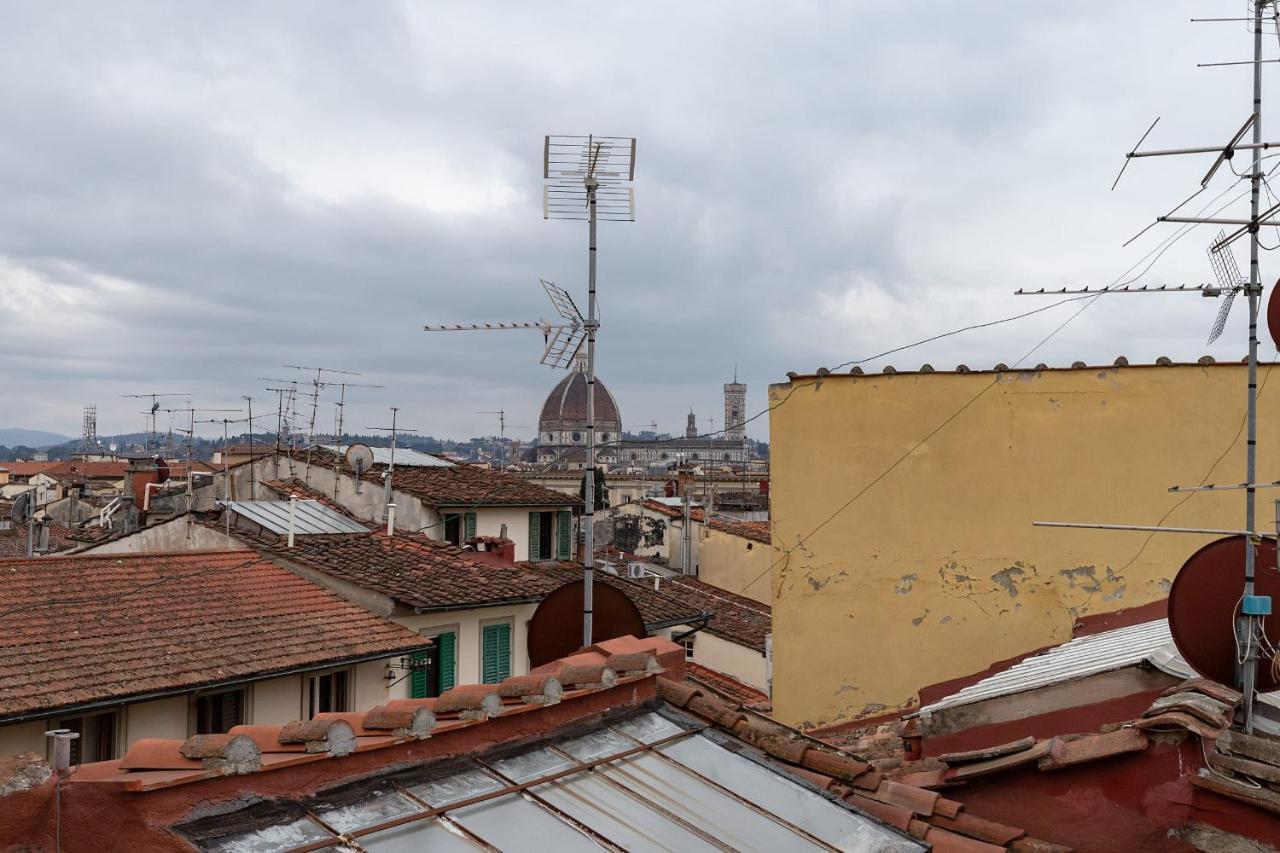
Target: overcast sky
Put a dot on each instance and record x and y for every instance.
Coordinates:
(195, 194)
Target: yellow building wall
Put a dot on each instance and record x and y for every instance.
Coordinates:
(902, 509)
(735, 563)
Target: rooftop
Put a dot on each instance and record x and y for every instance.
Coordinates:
(758, 531)
(83, 629)
(13, 541)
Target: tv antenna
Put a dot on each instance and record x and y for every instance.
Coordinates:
(340, 409)
(317, 383)
(500, 451)
(1248, 629)
(563, 340)
(391, 467)
(585, 177)
(155, 407)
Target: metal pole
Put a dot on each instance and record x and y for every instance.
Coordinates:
(1247, 624)
(253, 459)
(391, 467)
(589, 484)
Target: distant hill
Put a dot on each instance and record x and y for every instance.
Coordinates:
(31, 438)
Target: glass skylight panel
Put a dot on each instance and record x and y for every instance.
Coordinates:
(715, 813)
(596, 745)
(648, 728)
(514, 823)
(793, 803)
(617, 816)
(417, 837)
(456, 788)
(379, 806)
(531, 764)
(269, 839)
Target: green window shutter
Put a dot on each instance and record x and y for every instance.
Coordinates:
(468, 525)
(418, 678)
(496, 653)
(446, 648)
(564, 534)
(535, 529)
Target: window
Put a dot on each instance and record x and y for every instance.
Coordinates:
(442, 665)
(577, 436)
(635, 456)
(687, 642)
(727, 457)
(328, 692)
(544, 544)
(604, 436)
(97, 741)
(495, 652)
(459, 527)
(216, 713)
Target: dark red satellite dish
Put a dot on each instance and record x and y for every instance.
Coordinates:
(556, 627)
(1273, 314)
(1204, 601)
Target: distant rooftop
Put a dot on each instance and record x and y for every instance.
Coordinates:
(404, 456)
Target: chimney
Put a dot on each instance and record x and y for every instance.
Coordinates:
(391, 519)
(508, 550)
(61, 750)
(141, 470)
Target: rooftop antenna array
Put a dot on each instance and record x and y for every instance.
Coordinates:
(89, 443)
(391, 467)
(338, 427)
(317, 383)
(155, 407)
(500, 452)
(586, 179)
(1249, 625)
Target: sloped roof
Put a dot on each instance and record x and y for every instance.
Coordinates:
(671, 508)
(736, 618)
(13, 542)
(89, 628)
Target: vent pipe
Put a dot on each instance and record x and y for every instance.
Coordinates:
(391, 519)
(61, 752)
(293, 508)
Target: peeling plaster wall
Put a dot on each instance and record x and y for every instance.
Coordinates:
(936, 571)
(735, 563)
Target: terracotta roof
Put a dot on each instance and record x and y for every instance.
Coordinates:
(13, 542)
(417, 571)
(756, 530)
(567, 403)
(657, 608)
(459, 486)
(89, 470)
(28, 469)
(728, 687)
(737, 618)
(87, 628)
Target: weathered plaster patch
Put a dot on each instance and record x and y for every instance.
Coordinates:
(905, 583)
(944, 620)
(1076, 578)
(872, 708)
(919, 619)
(1165, 584)
(1115, 595)
(1007, 578)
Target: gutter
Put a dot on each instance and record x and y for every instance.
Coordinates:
(214, 685)
(704, 620)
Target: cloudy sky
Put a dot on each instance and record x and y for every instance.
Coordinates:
(195, 194)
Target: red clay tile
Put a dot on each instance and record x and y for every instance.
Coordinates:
(540, 689)
(1064, 753)
(473, 701)
(1028, 844)
(918, 800)
(925, 778)
(267, 738)
(979, 828)
(1179, 720)
(888, 812)
(157, 754)
(833, 764)
(996, 765)
(943, 806)
(677, 693)
(949, 842)
(1208, 687)
(988, 752)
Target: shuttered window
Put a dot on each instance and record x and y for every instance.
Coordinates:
(216, 713)
(420, 679)
(564, 535)
(495, 653)
(447, 655)
(468, 526)
(535, 530)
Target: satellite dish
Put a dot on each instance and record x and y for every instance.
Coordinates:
(1203, 604)
(23, 507)
(1273, 314)
(555, 630)
(360, 458)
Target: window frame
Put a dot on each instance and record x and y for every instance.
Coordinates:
(435, 631)
(311, 693)
(193, 716)
(77, 745)
(509, 621)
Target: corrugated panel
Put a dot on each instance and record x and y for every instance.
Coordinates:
(310, 517)
(1081, 657)
(404, 456)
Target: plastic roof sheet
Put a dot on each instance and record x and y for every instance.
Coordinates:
(646, 783)
(404, 456)
(310, 517)
(1081, 657)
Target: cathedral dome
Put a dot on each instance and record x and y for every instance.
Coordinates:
(566, 405)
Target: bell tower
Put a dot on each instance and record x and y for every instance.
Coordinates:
(735, 408)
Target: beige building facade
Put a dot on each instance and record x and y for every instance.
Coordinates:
(903, 504)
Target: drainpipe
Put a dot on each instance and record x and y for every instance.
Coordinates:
(293, 508)
(391, 519)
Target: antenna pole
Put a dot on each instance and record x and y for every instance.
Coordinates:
(589, 484)
(1246, 623)
(253, 459)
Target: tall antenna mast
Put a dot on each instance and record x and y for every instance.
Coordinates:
(391, 468)
(155, 407)
(1248, 626)
(317, 384)
(584, 177)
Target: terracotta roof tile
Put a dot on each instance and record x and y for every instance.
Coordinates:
(13, 542)
(170, 622)
(1064, 753)
(755, 530)
(739, 619)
